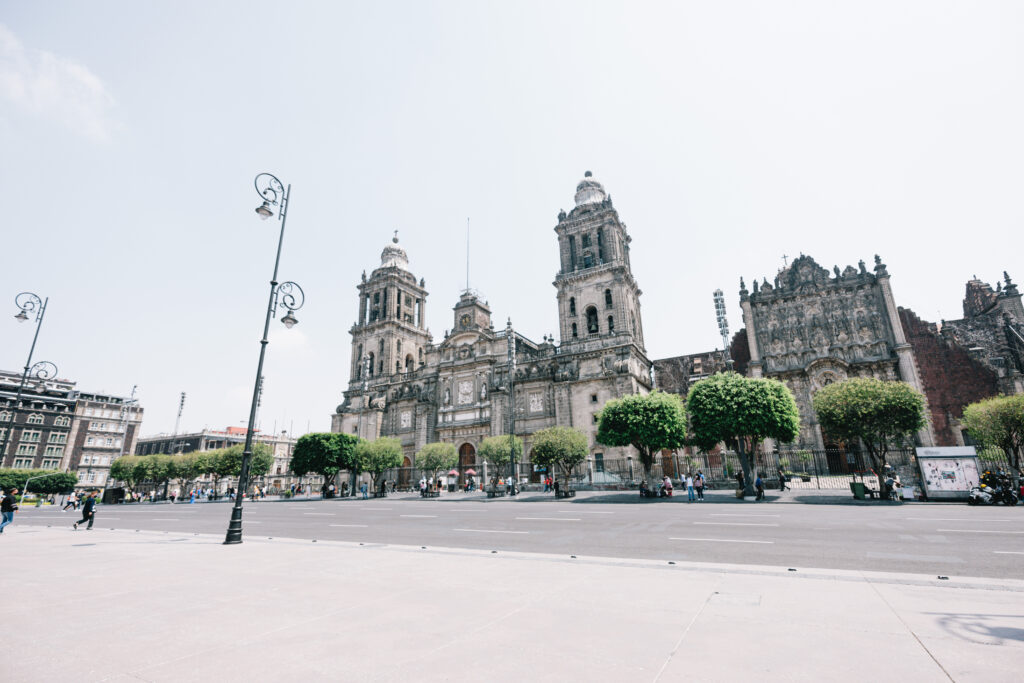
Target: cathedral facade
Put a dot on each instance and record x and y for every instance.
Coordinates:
(479, 380)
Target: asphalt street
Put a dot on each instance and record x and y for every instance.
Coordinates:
(945, 539)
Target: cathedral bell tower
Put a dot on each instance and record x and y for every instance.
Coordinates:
(390, 337)
(597, 295)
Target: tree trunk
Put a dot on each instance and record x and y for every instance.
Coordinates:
(745, 465)
(878, 459)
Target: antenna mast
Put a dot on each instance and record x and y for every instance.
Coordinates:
(467, 254)
(723, 325)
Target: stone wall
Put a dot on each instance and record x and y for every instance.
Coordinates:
(951, 378)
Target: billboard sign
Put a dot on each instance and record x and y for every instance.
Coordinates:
(948, 473)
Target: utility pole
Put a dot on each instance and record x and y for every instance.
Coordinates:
(723, 326)
(511, 339)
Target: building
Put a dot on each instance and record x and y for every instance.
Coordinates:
(57, 427)
(458, 391)
(279, 476)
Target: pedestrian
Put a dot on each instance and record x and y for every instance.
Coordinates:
(667, 484)
(72, 502)
(88, 511)
(782, 480)
(555, 487)
(690, 496)
(362, 490)
(423, 487)
(759, 485)
(174, 494)
(8, 506)
(698, 486)
(739, 482)
(192, 497)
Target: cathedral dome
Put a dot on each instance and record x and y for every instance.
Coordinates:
(589, 191)
(394, 255)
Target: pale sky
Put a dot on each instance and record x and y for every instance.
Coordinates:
(728, 134)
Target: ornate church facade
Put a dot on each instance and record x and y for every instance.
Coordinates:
(461, 390)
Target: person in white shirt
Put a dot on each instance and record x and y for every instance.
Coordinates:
(690, 496)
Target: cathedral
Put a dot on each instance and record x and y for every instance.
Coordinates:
(461, 390)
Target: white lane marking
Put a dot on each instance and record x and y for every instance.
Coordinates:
(252, 521)
(1008, 552)
(733, 524)
(979, 531)
(358, 525)
(465, 510)
(321, 514)
(366, 507)
(552, 519)
(300, 508)
(957, 519)
(740, 514)
(492, 531)
(588, 512)
(717, 540)
(166, 520)
(421, 516)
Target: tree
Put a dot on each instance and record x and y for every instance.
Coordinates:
(434, 457)
(126, 469)
(48, 481)
(377, 457)
(186, 468)
(208, 462)
(157, 469)
(561, 447)
(999, 422)
(877, 413)
(727, 407)
(647, 422)
(497, 450)
(318, 452)
(230, 462)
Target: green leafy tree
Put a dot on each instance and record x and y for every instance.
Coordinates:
(158, 469)
(563, 448)
(127, 469)
(47, 482)
(727, 407)
(877, 413)
(497, 451)
(230, 462)
(999, 422)
(647, 422)
(320, 453)
(434, 457)
(186, 468)
(379, 456)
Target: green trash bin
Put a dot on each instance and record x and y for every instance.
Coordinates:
(858, 490)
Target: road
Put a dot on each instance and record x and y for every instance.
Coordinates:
(948, 540)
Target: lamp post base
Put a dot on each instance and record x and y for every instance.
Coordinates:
(234, 527)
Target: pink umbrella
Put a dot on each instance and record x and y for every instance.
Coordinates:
(470, 471)
(453, 472)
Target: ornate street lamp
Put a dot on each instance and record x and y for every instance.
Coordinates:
(30, 305)
(511, 339)
(286, 295)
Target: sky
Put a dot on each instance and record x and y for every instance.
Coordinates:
(729, 134)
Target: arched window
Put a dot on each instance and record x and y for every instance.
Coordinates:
(574, 333)
(380, 347)
(591, 320)
(409, 363)
(5, 416)
(370, 373)
(35, 419)
(611, 325)
(421, 356)
(62, 421)
(607, 298)
(398, 366)
(359, 363)
(572, 305)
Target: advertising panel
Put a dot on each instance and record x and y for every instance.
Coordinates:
(948, 473)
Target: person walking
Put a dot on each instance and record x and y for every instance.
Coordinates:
(759, 485)
(72, 502)
(690, 497)
(740, 484)
(666, 482)
(88, 511)
(362, 490)
(782, 480)
(8, 506)
(698, 486)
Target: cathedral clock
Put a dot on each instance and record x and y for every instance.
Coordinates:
(465, 320)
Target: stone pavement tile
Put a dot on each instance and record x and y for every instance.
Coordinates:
(976, 662)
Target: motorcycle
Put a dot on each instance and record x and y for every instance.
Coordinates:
(994, 488)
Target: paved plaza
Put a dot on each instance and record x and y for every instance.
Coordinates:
(170, 602)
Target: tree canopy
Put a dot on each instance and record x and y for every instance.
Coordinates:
(561, 447)
(230, 462)
(380, 455)
(324, 453)
(648, 422)
(48, 482)
(496, 450)
(729, 407)
(999, 422)
(878, 413)
(436, 456)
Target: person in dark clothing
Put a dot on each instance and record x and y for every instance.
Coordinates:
(739, 480)
(88, 511)
(782, 480)
(8, 506)
(554, 485)
(759, 485)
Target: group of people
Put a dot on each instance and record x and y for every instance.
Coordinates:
(694, 483)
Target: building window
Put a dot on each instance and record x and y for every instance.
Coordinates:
(31, 435)
(58, 437)
(572, 305)
(22, 462)
(596, 418)
(35, 419)
(591, 320)
(588, 260)
(611, 325)
(5, 416)
(574, 333)
(572, 252)
(593, 398)
(600, 245)
(599, 462)
(585, 241)
(50, 464)
(108, 442)
(88, 412)
(27, 449)
(370, 373)
(89, 441)
(607, 298)
(62, 421)
(55, 450)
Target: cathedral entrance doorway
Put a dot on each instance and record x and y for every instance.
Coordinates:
(467, 461)
(405, 473)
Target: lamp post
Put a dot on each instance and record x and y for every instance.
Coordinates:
(287, 295)
(30, 304)
(511, 339)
